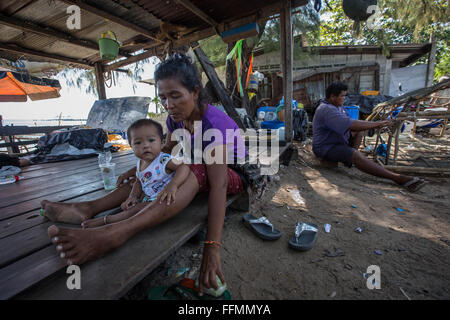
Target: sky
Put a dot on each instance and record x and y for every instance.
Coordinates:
(75, 103)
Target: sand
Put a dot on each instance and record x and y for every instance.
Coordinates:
(414, 244)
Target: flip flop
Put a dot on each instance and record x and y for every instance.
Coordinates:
(305, 236)
(416, 180)
(261, 227)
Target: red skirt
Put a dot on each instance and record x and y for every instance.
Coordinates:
(234, 186)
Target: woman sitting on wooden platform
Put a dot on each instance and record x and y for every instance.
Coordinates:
(180, 91)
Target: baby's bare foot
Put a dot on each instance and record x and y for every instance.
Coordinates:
(73, 213)
(93, 223)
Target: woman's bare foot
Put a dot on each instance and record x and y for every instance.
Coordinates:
(77, 246)
(73, 213)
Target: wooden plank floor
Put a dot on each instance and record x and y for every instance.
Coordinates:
(30, 267)
(27, 255)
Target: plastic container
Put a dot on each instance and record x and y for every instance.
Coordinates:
(352, 111)
(109, 48)
(104, 158)
(253, 83)
(108, 176)
(272, 124)
(270, 113)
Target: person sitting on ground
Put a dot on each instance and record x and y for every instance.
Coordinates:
(158, 176)
(337, 137)
(180, 92)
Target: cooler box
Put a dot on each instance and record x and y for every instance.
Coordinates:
(352, 111)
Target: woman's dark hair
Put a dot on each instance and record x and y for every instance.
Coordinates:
(335, 89)
(145, 122)
(179, 66)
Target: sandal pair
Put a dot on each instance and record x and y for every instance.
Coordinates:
(304, 237)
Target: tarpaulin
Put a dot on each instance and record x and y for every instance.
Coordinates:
(16, 87)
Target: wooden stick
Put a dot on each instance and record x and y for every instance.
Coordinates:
(423, 113)
(413, 169)
(397, 134)
(444, 126)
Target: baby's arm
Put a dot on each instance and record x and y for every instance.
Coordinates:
(133, 197)
(181, 174)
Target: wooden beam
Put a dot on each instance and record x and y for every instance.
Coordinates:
(22, 130)
(133, 59)
(259, 15)
(50, 32)
(113, 18)
(412, 169)
(100, 79)
(287, 62)
(208, 67)
(197, 11)
(43, 55)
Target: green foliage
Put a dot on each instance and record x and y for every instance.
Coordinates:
(85, 79)
(401, 21)
(216, 50)
(305, 22)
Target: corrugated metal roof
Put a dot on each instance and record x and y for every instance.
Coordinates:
(145, 14)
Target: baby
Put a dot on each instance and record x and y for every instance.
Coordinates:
(158, 176)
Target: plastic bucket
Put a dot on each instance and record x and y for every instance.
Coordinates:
(109, 48)
(352, 111)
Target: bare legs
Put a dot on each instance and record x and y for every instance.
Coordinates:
(76, 213)
(370, 167)
(80, 245)
(357, 138)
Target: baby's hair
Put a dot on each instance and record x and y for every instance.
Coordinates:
(145, 122)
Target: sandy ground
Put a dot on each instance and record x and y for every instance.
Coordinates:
(414, 243)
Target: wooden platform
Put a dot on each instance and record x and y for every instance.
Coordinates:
(30, 267)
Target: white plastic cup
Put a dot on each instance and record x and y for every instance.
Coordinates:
(108, 176)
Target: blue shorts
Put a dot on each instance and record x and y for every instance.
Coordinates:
(340, 153)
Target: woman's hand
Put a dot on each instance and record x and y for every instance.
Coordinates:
(211, 266)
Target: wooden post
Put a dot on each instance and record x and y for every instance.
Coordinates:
(100, 81)
(156, 101)
(286, 61)
(397, 134)
(431, 61)
(387, 76)
(444, 126)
